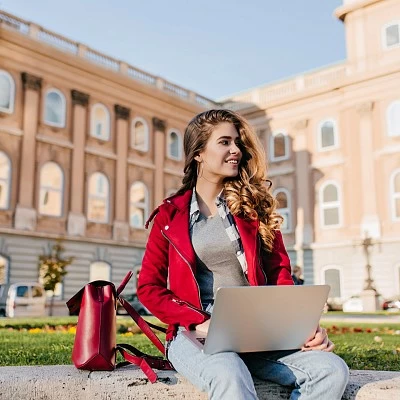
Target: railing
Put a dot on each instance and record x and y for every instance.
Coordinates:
(36, 32)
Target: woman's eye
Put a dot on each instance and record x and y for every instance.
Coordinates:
(224, 142)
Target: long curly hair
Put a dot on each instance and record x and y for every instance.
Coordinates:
(248, 194)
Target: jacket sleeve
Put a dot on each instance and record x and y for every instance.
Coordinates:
(277, 263)
(152, 287)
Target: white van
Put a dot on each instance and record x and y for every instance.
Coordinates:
(22, 299)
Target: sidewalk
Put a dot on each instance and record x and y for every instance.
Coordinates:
(361, 318)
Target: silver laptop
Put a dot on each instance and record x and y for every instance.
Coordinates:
(262, 318)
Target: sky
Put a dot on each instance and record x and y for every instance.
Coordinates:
(214, 47)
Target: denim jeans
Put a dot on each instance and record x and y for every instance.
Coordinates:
(314, 375)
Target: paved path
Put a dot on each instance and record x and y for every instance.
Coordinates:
(360, 318)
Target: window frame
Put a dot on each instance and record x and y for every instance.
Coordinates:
(287, 209)
(384, 35)
(388, 112)
(140, 205)
(323, 207)
(341, 279)
(145, 148)
(89, 197)
(394, 195)
(335, 135)
(92, 130)
(8, 181)
(274, 134)
(61, 190)
(180, 144)
(9, 110)
(63, 105)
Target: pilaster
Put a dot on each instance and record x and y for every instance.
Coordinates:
(159, 128)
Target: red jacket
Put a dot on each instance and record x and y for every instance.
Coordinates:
(167, 285)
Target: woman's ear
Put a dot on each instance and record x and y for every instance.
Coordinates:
(198, 158)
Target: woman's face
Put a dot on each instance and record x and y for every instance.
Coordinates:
(221, 156)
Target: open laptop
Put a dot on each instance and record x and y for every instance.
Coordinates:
(262, 318)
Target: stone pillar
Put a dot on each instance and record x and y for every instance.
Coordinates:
(159, 127)
(76, 225)
(121, 226)
(25, 213)
(304, 228)
(370, 224)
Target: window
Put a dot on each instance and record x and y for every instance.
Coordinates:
(4, 269)
(100, 122)
(140, 135)
(138, 205)
(279, 146)
(54, 108)
(98, 198)
(391, 35)
(330, 205)
(100, 271)
(395, 194)
(174, 144)
(51, 190)
(327, 135)
(393, 118)
(332, 278)
(5, 181)
(283, 197)
(22, 291)
(7, 92)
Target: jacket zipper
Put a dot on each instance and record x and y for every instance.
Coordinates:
(188, 264)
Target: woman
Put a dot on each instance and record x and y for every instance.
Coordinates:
(221, 229)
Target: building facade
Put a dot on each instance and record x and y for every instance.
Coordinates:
(333, 142)
(89, 145)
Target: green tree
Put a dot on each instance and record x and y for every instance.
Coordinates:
(52, 269)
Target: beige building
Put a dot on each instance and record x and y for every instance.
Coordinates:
(89, 145)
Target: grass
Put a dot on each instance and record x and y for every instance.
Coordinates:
(49, 341)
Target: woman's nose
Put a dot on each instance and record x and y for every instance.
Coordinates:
(234, 149)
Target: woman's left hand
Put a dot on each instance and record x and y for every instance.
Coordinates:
(320, 341)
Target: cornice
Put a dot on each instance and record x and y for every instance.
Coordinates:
(31, 81)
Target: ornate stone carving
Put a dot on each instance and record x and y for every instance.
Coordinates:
(122, 112)
(365, 108)
(31, 81)
(300, 124)
(159, 124)
(79, 98)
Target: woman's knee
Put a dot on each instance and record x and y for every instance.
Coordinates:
(334, 369)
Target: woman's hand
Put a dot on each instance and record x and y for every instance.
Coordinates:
(320, 341)
(203, 328)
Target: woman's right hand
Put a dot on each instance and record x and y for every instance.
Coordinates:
(203, 328)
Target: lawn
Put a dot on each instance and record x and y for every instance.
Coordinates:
(49, 341)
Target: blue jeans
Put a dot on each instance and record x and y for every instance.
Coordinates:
(314, 375)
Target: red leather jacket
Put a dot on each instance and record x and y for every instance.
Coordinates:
(167, 285)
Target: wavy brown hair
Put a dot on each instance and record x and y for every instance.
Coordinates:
(248, 194)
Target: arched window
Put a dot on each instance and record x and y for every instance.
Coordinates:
(279, 146)
(393, 118)
(330, 205)
(327, 135)
(100, 122)
(174, 143)
(391, 35)
(138, 205)
(7, 92)
(54, 108)
(98, 198)
(140, 135)
(282, 195)
(99, 271)
(332, 277)
(51, 190)
(4, 269)
(395, 194)
(5, 181)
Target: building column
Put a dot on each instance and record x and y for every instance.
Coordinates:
(76, 225)
(121, 225)
(159, 127)
(304, 228)
(370, 224)
(25, 213)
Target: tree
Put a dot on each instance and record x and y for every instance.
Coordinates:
(52, 269)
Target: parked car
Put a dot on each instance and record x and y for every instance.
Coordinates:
(135, 303)
(392, 304)
(22, 299)
(353, 304)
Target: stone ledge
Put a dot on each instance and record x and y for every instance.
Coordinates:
(65, 382)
